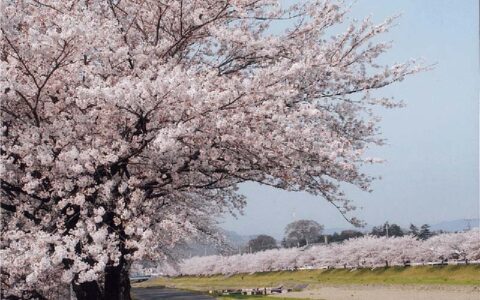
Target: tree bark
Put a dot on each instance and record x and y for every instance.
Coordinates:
(117, 282)
(117, 285)
(87, 291)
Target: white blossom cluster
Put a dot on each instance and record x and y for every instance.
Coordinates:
(127, 125)
(368, 251)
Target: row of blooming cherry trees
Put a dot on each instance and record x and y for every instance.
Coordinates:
(365, 251)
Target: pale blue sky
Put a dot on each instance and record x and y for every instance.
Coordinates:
(431, 173)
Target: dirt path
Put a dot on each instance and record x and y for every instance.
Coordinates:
(166, 293)
(384, 292)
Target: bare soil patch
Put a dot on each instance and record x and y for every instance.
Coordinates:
(388, 292)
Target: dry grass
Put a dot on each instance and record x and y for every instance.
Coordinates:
(423, 275)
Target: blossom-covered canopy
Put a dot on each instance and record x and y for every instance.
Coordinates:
(127, 125)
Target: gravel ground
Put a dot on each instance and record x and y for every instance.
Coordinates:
(166, 293)
(385, 292)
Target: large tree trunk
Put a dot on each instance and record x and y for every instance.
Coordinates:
(87, 291)
(117, 285)
(117, 282)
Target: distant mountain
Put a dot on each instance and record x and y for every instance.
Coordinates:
(237, 240)
(456, 225)
(233, 243)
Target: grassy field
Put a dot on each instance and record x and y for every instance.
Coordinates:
(423, 275)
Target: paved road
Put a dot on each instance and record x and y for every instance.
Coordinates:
(166, 293)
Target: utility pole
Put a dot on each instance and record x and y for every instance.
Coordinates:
(469, 226)
(386, 228)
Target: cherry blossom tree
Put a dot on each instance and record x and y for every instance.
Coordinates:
(301, 233)
(128, 125)
(362, 252)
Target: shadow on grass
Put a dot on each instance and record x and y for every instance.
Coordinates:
(231, 297)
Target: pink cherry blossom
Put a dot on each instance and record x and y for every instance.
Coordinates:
(127, 125)
(363, 252)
